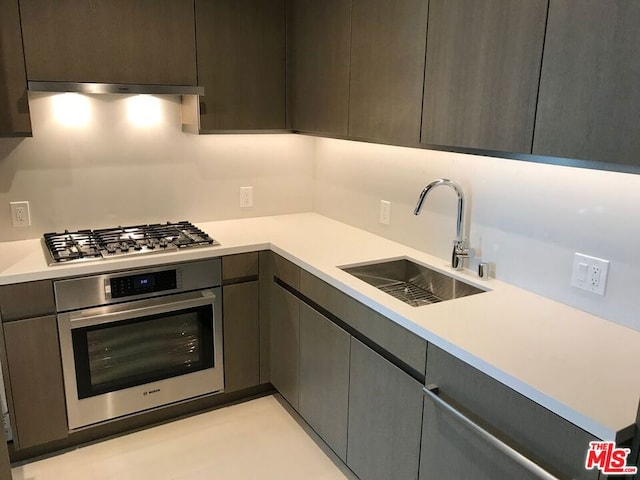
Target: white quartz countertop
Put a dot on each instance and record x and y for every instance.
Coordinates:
(580, 366)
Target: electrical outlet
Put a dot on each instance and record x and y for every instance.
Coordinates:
(385, 212)
(20, 215)
(590, 273)
(246, 197)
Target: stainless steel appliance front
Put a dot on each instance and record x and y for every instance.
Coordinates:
(127, 357)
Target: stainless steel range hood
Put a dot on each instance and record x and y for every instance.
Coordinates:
(111, 88)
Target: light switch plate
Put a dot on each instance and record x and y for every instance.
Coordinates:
(590, 273)
(385, 212)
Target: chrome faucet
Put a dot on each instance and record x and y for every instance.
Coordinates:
(460, 249)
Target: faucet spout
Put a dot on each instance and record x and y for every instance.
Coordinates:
(460, 250)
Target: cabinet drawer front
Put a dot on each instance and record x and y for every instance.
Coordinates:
(286, 271)
(397, 340)
(241, 267)
(550, 441)
(26, 300)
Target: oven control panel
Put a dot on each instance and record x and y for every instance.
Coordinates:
(139, 284)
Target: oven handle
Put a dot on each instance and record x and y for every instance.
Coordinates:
(99, 316)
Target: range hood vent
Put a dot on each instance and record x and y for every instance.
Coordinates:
(100, 88)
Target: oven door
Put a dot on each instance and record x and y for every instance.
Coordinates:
(129, 357)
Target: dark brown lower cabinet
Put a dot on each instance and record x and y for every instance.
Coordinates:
(385, 418)
(324, 378)
(35, 375)
(451, 449)
(5, 465)
(284, 345)
(240, 303)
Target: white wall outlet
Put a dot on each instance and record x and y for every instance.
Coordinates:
(246, 197)
(589, 273)
(385, 212)
(20, 215)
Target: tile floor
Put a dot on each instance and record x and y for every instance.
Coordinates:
(258, 439)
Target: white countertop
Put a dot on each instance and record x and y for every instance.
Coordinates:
(580, 366)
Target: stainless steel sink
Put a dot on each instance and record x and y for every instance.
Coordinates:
(412, 283)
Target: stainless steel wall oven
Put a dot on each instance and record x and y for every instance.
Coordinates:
(139, 339)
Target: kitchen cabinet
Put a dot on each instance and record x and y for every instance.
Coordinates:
(452, 450)
(285, 338)
(589, 95)
(5, 464)
(26, 300)
(324, 378)
(385, 418)
(241, 323)
(405, 347)
(387, 70)
(241, 48)
(110, 41)
(14, 106)
(322, 65)
(481, 75)
(35, 377)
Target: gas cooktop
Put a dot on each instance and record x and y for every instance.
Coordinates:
(83, 245)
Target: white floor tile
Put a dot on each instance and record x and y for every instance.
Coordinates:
(258, 439)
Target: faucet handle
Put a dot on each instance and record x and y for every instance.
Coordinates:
(459, 253)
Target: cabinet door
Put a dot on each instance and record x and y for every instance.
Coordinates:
(285, 338)
(482, 71)
(450, 449)
(387, 69)
(589, 95)
(385, 418)
(322, 49)
(110, 41)
(324, 378)
(14, 106)
(35, 375)
(241, 64)
(241, 336)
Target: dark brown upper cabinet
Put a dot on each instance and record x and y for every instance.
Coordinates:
(321, 65)
(14, 106)
(241, 64)
(110, 41)
(482, 71)
(387, 70)
(589, 88)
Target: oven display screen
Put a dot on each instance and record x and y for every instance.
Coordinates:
(145, 283)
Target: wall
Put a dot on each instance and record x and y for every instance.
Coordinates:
(99, 161)
(527, 219)
(95, 165)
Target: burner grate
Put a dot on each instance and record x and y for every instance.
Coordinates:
(69, 246)
(117, 241)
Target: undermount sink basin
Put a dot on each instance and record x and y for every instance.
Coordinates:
(412, 283)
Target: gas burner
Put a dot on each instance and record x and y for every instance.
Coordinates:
(120, 241)
(72, 246)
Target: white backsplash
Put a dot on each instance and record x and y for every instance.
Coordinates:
(105, 169)
(526, 219)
